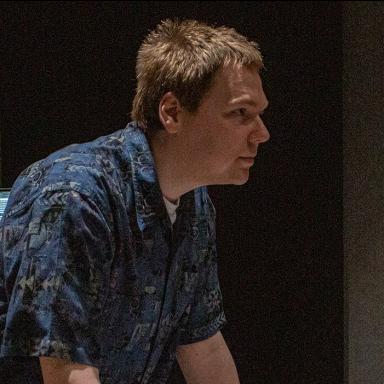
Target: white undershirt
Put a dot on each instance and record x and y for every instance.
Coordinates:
(171, 208)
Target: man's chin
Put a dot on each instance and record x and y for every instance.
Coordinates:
(235, 180)
(241, 182)
(242, 177)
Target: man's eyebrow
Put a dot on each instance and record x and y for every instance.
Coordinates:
(251, 103)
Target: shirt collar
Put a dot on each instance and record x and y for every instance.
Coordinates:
(148, 198)
(147, 194)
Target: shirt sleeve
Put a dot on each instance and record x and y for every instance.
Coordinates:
(205, 314)
(55, 264)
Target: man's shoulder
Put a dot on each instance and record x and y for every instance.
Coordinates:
(96, 169)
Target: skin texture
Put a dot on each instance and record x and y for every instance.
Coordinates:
(57, 371)
(207, 362)
(218, 143)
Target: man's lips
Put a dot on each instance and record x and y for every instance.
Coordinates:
(247, 159)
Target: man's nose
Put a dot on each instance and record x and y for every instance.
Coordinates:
(260, 133)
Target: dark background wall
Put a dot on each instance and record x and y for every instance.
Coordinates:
(68, 76)
(363, 90)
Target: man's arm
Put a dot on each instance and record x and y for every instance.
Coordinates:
(58, 371)
(207, 362)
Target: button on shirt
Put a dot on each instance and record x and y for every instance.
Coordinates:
(91, 270)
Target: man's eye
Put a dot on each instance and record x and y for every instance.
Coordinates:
(240, 112)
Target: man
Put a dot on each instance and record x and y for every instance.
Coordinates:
(108, 247)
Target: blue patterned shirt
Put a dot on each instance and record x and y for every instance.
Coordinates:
(91, 269)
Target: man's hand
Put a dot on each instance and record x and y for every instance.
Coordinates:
(207, 362)
(57, 371)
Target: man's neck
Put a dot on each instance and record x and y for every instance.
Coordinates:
(173, 167)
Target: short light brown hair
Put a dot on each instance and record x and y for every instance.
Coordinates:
(183, 57)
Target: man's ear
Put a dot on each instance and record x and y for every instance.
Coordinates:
(169, 110)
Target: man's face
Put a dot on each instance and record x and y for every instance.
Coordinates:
(224, 133)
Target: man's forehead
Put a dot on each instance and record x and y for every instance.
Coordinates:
(241, 85)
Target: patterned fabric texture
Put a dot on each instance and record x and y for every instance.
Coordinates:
(91, 269)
